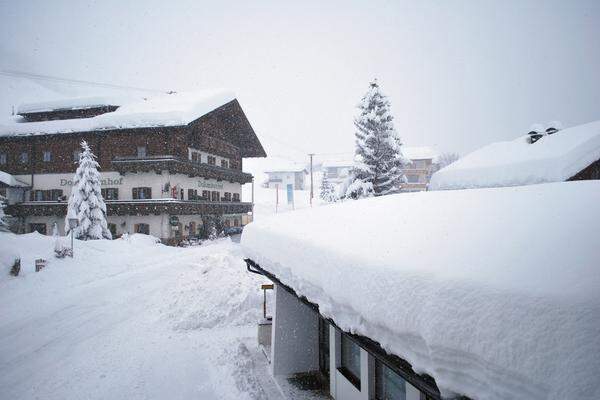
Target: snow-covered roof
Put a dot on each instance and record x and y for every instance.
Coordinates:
(420, 153)
(7, 179)
(161, 110)
(493, 292)
(553, 158)
(277, 164)
(340, 163)
(78, 103)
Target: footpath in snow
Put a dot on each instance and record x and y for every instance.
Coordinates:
(129, 319)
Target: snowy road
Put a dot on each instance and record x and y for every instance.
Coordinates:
(135, 321)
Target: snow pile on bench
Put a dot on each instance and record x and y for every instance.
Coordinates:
(7, 179)
(175, 109)
(553, 158)
(493, 292)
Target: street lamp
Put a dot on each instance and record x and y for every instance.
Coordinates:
(73, 222)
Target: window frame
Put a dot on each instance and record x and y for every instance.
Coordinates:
(24, 157)
(136, 193)
(211, 160)
(344, 365)
(105, 193)
(143, 153)
(235, 197)
(3, 158)
(47, 156)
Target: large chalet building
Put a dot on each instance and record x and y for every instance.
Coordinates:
(169, 164)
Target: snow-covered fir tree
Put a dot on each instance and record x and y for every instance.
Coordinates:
(327, 190)
(378, 157)
(86, 202)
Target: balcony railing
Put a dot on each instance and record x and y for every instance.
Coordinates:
(174, 164)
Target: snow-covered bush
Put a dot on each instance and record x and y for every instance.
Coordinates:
(86, 202)
(378, 159)
(3, 223)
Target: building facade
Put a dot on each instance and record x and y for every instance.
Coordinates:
(296, 177)
(168, 181)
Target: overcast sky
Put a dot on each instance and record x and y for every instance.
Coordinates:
(458, 74)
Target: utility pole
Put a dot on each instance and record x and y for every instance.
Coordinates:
(311, 178)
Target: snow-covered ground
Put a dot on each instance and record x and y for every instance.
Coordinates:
(129, 319)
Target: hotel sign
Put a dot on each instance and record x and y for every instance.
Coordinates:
(209, 185)
(103, 182)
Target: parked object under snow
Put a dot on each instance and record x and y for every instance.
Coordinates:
(493, 292)
(554, 157)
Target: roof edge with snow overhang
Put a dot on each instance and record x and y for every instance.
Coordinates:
(449, 274)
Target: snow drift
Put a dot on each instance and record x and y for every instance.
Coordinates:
(493, 292)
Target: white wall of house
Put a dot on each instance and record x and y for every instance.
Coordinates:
(125, 183)
(295, 335)
(295, 349)
(296, 179)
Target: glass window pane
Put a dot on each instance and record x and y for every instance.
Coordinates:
(388, 384)
(351, 357)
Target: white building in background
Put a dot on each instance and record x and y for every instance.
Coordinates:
(337, 171)
(287, 173)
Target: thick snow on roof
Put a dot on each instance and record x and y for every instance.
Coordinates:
(339, 163)
(161, 110)
(78, 103)
(9, 180)
(420, 152)
(493, 292)
(553, 158)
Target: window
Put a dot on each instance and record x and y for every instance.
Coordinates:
(411, 178)
(214, 196)
(39, 195)
(141, 151)
(24, 157)
(224, 163)
(113, 229)
(205, 195)
(47, 195)
(142, 193)
(388, 384)
(192, 194)
(47, 156)
(227, 196)
(323, 344)
(2, 158)
(211, 160)
(350, 363)
(40, 228)
(236, 222)
(110, 193)
(142, 228)
(236, 197)
(195, 157)
(76, 155)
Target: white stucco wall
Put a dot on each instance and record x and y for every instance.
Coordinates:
(125, 183)
(295, 336)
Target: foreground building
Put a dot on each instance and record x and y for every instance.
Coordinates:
(169, 164)
(551, 156)
(484, 294)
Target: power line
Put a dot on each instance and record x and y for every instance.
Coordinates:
(49, 78)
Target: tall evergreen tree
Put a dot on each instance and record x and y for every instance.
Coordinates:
(378, 157)
(327, 190)
(86, 202)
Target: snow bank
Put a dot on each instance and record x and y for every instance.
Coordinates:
(163, 110)
(553, 158)
(493, 292)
